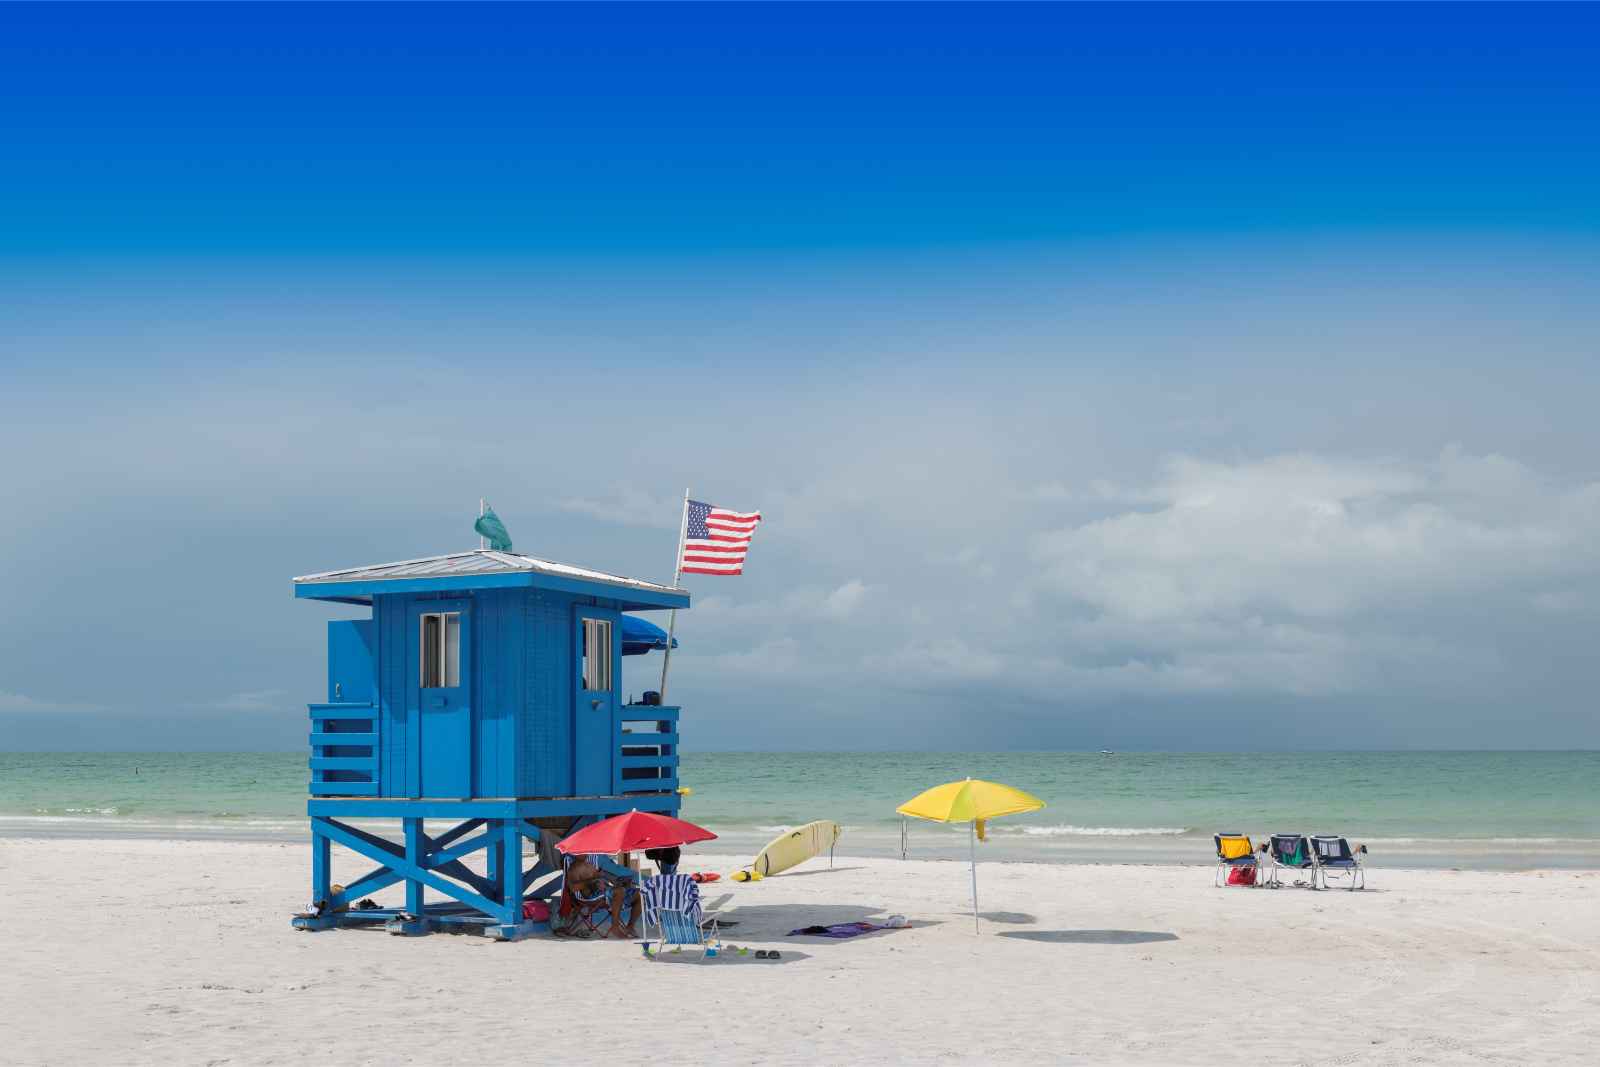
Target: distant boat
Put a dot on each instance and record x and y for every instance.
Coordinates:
(1107, 752)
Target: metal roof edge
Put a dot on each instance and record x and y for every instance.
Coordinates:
(513, 569)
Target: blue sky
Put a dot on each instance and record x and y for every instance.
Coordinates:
(1181, 377)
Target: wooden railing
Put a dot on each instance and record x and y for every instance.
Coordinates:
(647, 749)
(344, 750)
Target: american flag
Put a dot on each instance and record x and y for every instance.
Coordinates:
(715, 540)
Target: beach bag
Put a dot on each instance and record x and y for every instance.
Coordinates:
(537, 910)
(1241, 876)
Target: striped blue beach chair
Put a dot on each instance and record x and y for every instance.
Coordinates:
(672, 906)
(1336, 859)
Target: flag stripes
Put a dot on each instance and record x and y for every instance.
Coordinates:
(716, 540)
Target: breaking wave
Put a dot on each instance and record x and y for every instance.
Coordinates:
(1092, 831)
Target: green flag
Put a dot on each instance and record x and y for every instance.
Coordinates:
(489, 526)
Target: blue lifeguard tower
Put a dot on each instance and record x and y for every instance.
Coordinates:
(484, 697)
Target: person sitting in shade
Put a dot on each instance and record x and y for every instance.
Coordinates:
(585, 884)
(665, 859)
(620, 888)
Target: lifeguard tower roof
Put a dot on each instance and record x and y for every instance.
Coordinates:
(484, 569)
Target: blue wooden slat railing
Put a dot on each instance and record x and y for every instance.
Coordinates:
(647, 761)
(344, 750)
(647, 749)
(345, 739)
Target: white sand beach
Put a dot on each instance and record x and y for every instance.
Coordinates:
(148, 951)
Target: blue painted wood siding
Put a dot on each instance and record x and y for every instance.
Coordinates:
(395, 767)
(523, 657)
(544, 757)
(501, 661)
(352, 661)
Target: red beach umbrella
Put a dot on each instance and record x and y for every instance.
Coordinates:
(633, 832)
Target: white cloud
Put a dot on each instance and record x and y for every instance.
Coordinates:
(1314, 538)
(250, 700)
(1252, 658)
(972, 559)
(805, 603)
(845, 600)
(1047, 491)
(628, 506)
(782, 657)
(24, 704)
(1298, 575)
(1310, 575)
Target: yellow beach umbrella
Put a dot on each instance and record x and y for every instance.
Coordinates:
(971, 801)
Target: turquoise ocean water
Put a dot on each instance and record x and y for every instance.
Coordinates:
(1469, 809)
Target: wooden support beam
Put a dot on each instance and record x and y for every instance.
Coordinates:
(357, 841)
(473, 903)
(546, 889)
(414, 890)
(517, 931)
(442, 860)
(341, 832)
(511, 870)
(440, 857)
(503, 808)
(538, 870)
(456, 832)
(462, 873)
(369, 883)
(321, 854)
(493, 862)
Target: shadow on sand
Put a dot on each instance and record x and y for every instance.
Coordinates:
(729, 959)
(1013, 918)
(1091, 937)
(819, 870)
(773, 922)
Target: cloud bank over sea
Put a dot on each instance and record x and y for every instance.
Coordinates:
(1032, 515)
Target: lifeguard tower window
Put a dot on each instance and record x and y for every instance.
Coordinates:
(441, 650)
(597, 654)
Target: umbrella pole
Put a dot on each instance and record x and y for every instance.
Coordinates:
(972, 842)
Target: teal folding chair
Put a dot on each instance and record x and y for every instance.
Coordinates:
(1292, 852)
(672, 906)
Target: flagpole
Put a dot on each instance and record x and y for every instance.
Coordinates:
(677, 573)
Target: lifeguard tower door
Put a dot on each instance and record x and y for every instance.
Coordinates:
(441, 686)
(598, 639)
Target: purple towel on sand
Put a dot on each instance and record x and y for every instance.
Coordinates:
(837, 930)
